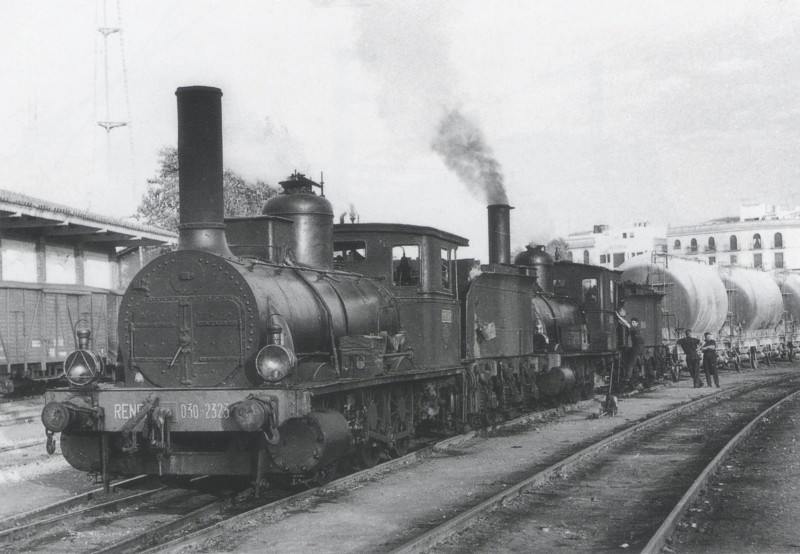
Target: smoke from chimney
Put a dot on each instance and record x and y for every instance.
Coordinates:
(353, 213)
(461, 144)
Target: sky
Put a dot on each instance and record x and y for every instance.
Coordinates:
(588, 112)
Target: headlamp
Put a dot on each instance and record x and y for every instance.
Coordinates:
(82, 367)
(274, 362)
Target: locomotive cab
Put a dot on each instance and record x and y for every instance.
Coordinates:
(418, 265)
(597, 289)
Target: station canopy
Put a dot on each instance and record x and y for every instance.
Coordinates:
(28, 216)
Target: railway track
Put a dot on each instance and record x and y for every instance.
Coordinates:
(279, 505)
(190, 518)
(625, 493)
(17, 417)
(292, 513)
(91, 522)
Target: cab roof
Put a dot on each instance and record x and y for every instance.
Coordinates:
(399, 228)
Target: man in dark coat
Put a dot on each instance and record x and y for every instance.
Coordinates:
(689, 345)
(631, 355)
(709, 349)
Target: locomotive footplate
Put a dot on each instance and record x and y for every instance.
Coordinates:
(187, 410)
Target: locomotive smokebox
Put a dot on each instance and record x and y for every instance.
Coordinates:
(499, 234)
(200, 193)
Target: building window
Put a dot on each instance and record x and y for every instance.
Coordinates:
(677, 245)
(405, 265)
(603, 258)
(778, 241)
(778, 260)
(693, 245)
(586, 256)
(734, 243)
(569, 256)
(624, 235)
(712, 260)
(712, 244)
(733, 259)
(757, 260)
(619, 258)
(757, 242)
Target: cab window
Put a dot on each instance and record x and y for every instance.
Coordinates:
(349, 251)
(612, 293)
(590, 292)
(447, 268)
(405, 265)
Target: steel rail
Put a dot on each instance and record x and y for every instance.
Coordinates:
(659, 538)
(187, 520)
(21, 416)
(19, 445)
(105, 506)
(463, 520)
(66, 503)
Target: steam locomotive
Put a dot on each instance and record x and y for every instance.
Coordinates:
(281, 345)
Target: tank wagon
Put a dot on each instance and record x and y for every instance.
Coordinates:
(743, 308)
(279, 345)
(755, 315)
(789, 285)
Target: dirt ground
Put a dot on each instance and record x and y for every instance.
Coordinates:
(371, 517)
(752, 503)
(29, 477)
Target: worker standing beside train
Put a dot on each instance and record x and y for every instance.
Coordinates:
(689, 345)
(631, 354)
(709, 349)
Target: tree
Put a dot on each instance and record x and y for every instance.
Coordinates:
(159, 206)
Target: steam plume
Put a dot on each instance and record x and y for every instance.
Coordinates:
(353, 213)
(461, 144)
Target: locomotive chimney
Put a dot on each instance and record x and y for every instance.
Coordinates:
(499, 234)
(200, 170)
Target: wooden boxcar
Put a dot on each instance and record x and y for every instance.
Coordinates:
(37, 329)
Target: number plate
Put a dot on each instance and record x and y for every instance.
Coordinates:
(182, 410)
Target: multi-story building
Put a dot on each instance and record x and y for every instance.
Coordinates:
(763, 236)
(611, 247)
